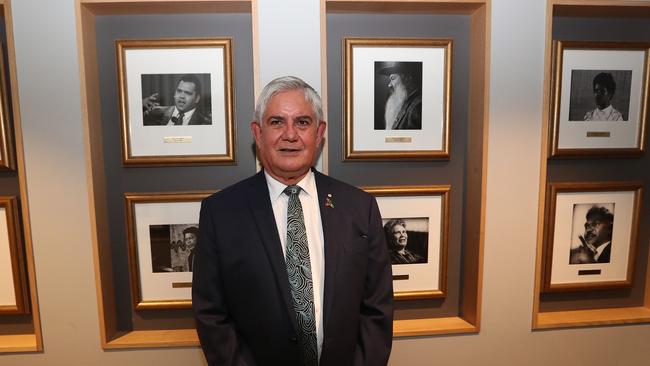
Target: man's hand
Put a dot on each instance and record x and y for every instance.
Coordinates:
(149, 103)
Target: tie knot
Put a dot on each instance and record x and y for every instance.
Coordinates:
(292, 190)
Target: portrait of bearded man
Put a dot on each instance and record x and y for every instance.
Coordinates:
(402, 106)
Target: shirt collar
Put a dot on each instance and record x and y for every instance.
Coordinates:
(276, 188)
(607, 109)
(187, 114)
(600, 250)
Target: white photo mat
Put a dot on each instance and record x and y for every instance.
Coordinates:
(602, 134)
(157, 286)
(422, 277)
(562, 272)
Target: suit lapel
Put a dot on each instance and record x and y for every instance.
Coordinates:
(260, 204)
(331, 240)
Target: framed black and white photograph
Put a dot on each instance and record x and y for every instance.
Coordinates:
(591, 235)
(162, 235)
(14, 297)
(176, 103)
(416, 222)
(397, 98)
(599, 98)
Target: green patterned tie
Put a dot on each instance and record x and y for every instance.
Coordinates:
(299, 270)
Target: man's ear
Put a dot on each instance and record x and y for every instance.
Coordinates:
(256, 130)
(320, 131)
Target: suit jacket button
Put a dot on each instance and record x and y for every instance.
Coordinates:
(294, 339)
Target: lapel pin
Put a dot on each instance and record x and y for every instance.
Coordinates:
(328, 201)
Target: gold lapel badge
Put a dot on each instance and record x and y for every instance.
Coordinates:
(328, 201)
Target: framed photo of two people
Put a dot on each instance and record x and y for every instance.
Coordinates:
(162, 233)
(176, 101)
(416, 226)
(591, 235)
(397, 98)
(599, 98)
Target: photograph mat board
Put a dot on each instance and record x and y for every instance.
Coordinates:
(157, 286)
(149, 140)
(7, 290)
(616, 270)
(623, 134)
(430, 137)
(422, 276)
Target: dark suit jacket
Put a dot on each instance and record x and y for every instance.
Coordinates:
(161, 116)
(240, 291)
(604, 256)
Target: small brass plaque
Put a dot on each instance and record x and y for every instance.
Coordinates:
(400, 277)
(405, 139)
(177, 139)
(598, 134)
(181, 284)
(589, 272)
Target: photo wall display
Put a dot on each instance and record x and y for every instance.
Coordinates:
(416, 225)
(13, 276)
(176, 101)
(397, 98)
(599, 98)
(591, 235)
(162, 231)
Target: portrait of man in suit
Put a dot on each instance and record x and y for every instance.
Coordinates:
(398, 95)
(595, 244)
(292, 266)
(187, 95)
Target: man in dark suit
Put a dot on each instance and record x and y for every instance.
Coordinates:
(260, 301)
(184, 112)
(596, 242)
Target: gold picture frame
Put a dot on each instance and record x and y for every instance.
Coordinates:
(420, 213)
(7, 156)
(608, 123)
(160, 266)
(406, 81)
(150, 74)
(591, 235)
(14, 294)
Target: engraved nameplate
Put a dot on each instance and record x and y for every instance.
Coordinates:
(181, 284)
(405, 139)
(589, 272)
(177, 139)
(599, 134)
(400, 277)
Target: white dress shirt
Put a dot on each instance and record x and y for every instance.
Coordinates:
(186, 117)
(311, 212)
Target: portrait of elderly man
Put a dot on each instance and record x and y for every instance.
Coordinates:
(291, 266)
(402, 108)
(397, 238)
(186, 97)
(596, 241)
(604, 88)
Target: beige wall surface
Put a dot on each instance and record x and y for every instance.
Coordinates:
(55, 159)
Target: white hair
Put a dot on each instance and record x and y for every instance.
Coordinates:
(287, 83)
